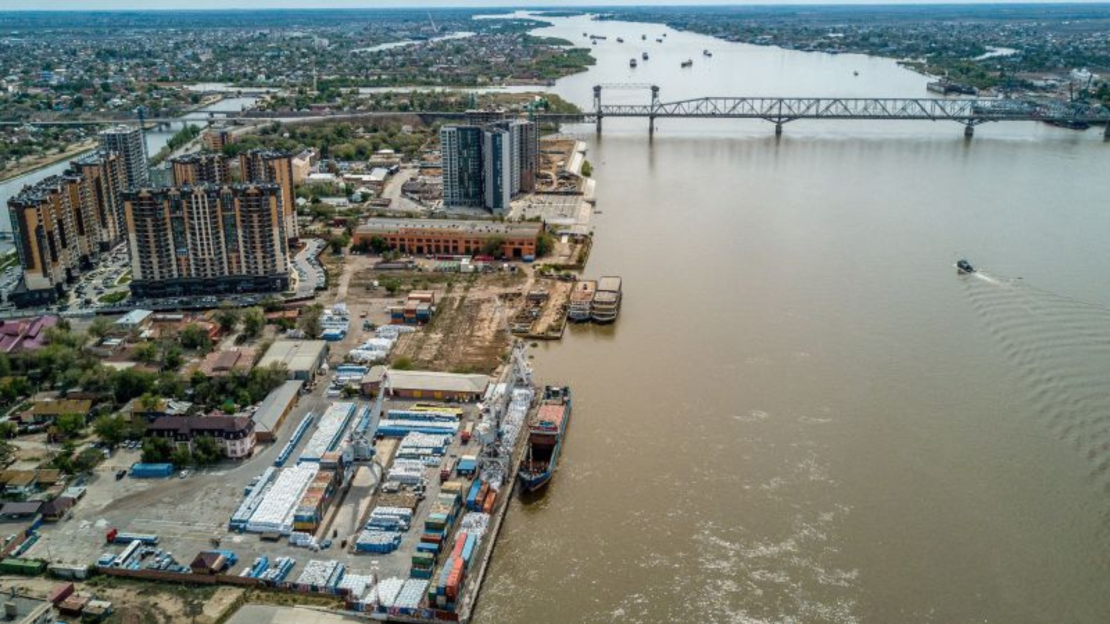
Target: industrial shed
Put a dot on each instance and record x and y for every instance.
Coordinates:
(425, 384)
(273, 410)
(302, 357)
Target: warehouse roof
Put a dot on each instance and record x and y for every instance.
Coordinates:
(428, 381)
(296, 355)
(271, 408)
(468, 228)
(134, 317)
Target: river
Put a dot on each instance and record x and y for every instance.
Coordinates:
(803, 414)
(155, 141)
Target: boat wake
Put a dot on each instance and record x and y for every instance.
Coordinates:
(1061, 348)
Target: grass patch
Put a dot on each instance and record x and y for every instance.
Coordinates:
(114, 297)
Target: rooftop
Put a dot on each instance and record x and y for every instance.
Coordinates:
(24, 334)
(473, 228)
(134, 317)
(428, 380)
(296, 355)
(270, 410)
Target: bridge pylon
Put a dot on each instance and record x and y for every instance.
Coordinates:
(597, 106)
(654, 106)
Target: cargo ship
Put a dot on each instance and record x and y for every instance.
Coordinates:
(581, 301)
(607, 300)
(546, 431)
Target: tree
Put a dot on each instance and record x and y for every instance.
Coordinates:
(206, 451)
(100, 327)
(378, 244)
(391, 285)
(254, 320)
(227, 317)
(194, 337)
(70, 424)
(309, 322)
(146, 352)
(587, 169)
(492, 246)
(86, 460)
(171, 356)
(545, 243)
(338, 243)
(181, 457)
(156, 450)
(130, 383)
(111, 429)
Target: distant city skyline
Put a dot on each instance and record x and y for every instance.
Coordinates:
(149, 5)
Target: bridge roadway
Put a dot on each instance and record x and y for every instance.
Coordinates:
(966, 111)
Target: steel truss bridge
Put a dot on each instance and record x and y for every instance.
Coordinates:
(777, 110)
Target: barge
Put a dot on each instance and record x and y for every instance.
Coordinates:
(546, 431)
(581, 301)
(607, 301)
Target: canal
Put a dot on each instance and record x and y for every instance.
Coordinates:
(803, 413)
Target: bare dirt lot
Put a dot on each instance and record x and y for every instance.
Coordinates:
(136, 602)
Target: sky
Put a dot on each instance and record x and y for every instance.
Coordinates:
(109, 5)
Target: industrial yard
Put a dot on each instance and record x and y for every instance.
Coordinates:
(371, 501)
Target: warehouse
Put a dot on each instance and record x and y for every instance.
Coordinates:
(272, 411)
(302, 357)
(426, 384)
(442, 236)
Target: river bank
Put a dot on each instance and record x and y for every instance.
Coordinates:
(35, 164)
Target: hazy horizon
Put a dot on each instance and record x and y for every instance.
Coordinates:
(226, 5)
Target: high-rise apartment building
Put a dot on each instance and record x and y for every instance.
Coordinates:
(195, 169)
(257, 166)
(62, 224)
(129, 143)
(104, 180)
(489, 165)
(207, 239)
(461, 147)
(497, 170)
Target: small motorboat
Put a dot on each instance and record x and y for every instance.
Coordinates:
(963, 267)
(632, 63)
(706, 53)
(645, 56)
(855, 73)
(619, 40)
(688, 63)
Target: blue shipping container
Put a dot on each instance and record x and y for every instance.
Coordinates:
(151, 471)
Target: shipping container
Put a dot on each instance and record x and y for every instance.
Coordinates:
(151, 471)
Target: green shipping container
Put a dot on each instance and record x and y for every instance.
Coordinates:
(26, 567)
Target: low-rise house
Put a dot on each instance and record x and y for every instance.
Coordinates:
(48, 411)
(145, 410)
(55, 510)
(234, 434)
(134, 321)
(20, 511)
(19, 335)
(222, 363)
